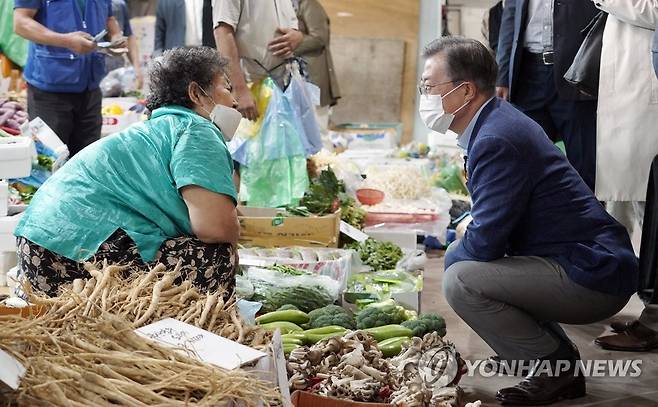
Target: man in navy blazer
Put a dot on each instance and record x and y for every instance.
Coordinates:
(541, 250)
(537, 43)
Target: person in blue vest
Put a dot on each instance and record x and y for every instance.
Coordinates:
(540, 250)
(63, 70)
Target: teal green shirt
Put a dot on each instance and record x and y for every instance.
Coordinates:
(130, 181)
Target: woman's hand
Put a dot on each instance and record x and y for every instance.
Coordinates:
(213, 216)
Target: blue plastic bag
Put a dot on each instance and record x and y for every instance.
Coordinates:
(300, 100)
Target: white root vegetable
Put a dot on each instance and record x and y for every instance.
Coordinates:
(100, 361)
(159, 286)
(210, 303)
(145, 281)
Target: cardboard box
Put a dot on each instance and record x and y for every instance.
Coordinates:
(306, 399)
(25, 312)
(265, 227)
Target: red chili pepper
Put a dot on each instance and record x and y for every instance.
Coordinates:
(11, 131)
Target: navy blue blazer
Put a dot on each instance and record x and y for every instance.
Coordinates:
(569, 18)
(529, 201)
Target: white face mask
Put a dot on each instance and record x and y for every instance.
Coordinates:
(225, 118)
(432, 112)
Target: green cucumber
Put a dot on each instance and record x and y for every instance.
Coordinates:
(291, 341)
(312, 339)
(293, 335)
(289, 347)
(290, 315)
(285, 327)
(325, 330)
(382, 333)
(393, 346)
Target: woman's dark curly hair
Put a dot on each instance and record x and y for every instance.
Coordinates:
(171, 74)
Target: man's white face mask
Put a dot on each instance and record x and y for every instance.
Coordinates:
(433, 114)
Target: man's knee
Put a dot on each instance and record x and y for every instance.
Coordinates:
(454, 288)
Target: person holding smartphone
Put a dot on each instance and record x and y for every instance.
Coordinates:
(63, 70)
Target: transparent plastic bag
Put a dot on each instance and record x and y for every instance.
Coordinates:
(307, 292)
(118, 82)
(413, 260)
(334, 263)
(426, 216)
(380, 285)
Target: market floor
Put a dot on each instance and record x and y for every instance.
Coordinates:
(601, 391)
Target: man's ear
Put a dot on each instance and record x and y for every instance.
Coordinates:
(471, 91)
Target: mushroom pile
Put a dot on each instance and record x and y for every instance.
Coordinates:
(349, 367)
(429, 370)
(352, 367)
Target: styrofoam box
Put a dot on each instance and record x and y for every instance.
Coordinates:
(116, 123)
(16, 157)
(7, 226)
(8, 261)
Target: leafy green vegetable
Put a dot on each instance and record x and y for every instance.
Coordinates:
(378, 255)
(45, 161)
(305, 298)
(287, 307)
(292, 271)
(331, 315)
(298, 211)
(351, 213)
(322, 196)
(25, 192)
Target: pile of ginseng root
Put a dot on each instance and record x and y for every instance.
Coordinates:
(83, 350)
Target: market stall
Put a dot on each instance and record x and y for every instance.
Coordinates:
(327, 306)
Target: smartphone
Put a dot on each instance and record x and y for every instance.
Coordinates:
(100, 36)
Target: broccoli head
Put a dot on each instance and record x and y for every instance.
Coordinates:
(331, 315)
(372, 317)
(426, 323)
(417, 326)
(397, 312)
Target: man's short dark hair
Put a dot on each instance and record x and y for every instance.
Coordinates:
(466, 60)
(171, 74)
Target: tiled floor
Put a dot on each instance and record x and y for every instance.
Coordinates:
(601, 391)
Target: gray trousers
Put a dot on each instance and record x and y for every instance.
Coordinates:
(516, 303)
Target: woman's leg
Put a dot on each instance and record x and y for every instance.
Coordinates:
(119, 249)
(46, 271)
(208, 266)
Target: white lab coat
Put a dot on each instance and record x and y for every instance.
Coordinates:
(627, 121)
